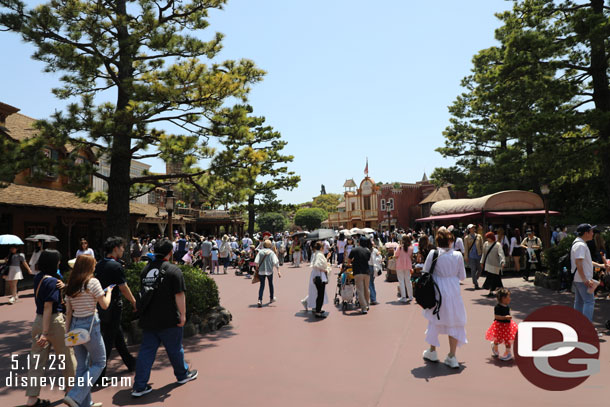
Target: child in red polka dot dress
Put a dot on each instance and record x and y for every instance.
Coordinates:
(503, 330)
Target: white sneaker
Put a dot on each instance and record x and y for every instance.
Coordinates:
(274, 299)
(452, 362)
(304, 302)
(11, 300)
(403, 299)
(507, 356)
(430, 355)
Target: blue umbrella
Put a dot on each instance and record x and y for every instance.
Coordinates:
(10, 240)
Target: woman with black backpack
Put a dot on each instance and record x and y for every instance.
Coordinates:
(448, 317)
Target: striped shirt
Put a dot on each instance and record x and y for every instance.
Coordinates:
(83, 305)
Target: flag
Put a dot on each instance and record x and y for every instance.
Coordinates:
(366, 169)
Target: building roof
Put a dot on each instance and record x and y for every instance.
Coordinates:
(349, 184)
(439, 194)
(500, 201)
(20, 127)
(22, 195)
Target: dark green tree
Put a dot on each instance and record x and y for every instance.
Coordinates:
(536, 108)
(328, 202)
(145, 57)
(272, 222)
(310, 218)
(257, 149)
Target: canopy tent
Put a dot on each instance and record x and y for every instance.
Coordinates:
(500, 204)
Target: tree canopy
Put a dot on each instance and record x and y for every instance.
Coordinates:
(328, 202)
(310, 218)
(536, 109)
(138, 87)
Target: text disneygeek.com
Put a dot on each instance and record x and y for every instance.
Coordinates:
(17, 380)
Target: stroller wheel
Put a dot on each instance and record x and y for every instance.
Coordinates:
(344, 307)
(336, 301)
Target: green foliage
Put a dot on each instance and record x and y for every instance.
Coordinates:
(272, 222)
(551, 256)
(328, 202)
(145, 56)
(99, 197)
(201, 290)
(310, 218)
(536, 109)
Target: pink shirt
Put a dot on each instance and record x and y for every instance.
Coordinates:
(403, 258)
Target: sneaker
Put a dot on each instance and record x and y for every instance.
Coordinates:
(259, 303)
(11, 300)
(506, 356)
(69, 401)
(403, 299)
(374, 303)
(494, 350)
(452, 362)
(304, 303)
(430, 355)
(274, 299)
(98, 404)
(190, 375)
(140, 393)
(319, 314)
(364, 311)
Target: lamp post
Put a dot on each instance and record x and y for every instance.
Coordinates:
(169, 206)
(389, 210)
(545, 190)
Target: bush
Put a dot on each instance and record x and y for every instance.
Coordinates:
(310, 218)
(201, 291)
(272, 222)
(552, 255)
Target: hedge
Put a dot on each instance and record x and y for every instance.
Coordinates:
(201, 291)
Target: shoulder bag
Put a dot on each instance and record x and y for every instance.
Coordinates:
(78, 336)
(256, 278)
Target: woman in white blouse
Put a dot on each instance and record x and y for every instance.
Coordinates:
(83, 293)
(317, 281)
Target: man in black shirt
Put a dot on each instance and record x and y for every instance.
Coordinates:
(162, 318)
(109, 271)
(359, 260)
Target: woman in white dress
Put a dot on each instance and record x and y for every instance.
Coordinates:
(317, 281)
(16, 261)
(451, 318)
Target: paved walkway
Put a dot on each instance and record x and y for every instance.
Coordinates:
(281, 356)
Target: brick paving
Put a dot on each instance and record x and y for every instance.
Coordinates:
(279, 355)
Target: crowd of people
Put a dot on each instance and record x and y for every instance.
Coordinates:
(91, 300)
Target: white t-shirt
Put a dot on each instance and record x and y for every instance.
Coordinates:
(341, 246)
(88, 252)
(458, 244)
(580, 250)
(326, 247)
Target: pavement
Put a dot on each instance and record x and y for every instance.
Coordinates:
(280, 355)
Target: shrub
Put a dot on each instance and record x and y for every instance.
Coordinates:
(552, 255)
(310, 218)
(201, 290)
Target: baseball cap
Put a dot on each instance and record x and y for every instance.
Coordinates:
(163, 247)
(470, 226)
(450, 228)
(584, 228)
(528, 230)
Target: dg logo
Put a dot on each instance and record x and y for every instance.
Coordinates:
(557, 348)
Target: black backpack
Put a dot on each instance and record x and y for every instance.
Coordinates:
(426, 289)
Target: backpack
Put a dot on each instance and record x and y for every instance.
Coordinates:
(426, 288)
(147, 292)
(566, 260)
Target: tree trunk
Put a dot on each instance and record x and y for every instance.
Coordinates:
(118, 218)
(251, 215)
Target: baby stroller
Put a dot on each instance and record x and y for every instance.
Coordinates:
(346, 289)
(243, 264)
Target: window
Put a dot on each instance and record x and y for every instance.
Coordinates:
(391, 204)
(353, 207)
(53, 155)
(367, 203)
(383, 204)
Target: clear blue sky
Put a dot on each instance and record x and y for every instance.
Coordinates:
(346, 79)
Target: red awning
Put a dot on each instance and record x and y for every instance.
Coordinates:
(450, 216)
(519, 213)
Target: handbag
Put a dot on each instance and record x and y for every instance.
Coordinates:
(79, 336)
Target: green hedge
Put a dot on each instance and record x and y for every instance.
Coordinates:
(552, 255)
(201, 291)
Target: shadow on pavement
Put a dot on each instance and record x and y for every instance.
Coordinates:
(435, 369)
(309, 316)
(123, 397)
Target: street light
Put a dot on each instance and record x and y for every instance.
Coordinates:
(545, 190)
(169, 206)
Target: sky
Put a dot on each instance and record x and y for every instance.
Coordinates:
(346, 80)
